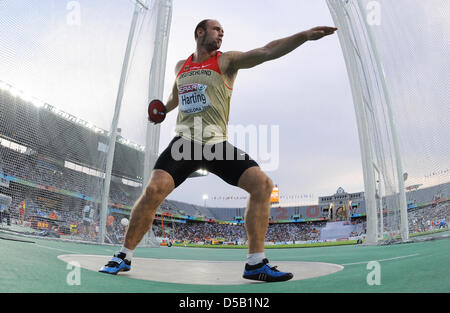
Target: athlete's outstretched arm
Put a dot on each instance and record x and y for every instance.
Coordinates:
(275, 49)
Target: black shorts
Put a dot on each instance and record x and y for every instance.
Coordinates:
(183, 157)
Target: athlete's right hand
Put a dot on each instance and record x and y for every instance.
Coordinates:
(319, 32)
(156, 111)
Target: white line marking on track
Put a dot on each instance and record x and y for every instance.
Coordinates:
(56, 249)
(382, 260)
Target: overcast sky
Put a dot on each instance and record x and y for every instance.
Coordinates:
(74, 64)
(306, 94)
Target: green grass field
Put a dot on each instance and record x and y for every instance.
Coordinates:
(419, 267)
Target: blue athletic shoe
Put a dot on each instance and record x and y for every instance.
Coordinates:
(117, 264)
(264, 272)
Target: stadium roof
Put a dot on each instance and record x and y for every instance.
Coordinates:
(50, 131)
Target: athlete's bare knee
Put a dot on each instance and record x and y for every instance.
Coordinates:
(155, 191)
(158, 188)
(263, 188)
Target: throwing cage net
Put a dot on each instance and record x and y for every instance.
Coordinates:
(76, 78)
(397, 59)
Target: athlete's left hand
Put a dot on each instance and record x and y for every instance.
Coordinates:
(319, 32)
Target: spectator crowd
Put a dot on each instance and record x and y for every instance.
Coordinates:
(235, 233)
(47, 175)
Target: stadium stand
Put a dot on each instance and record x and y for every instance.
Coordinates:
(49, 166)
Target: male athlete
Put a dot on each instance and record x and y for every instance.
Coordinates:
(202, 91)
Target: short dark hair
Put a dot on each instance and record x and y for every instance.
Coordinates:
(201, 25)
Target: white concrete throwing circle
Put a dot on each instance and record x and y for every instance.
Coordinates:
(199, 271)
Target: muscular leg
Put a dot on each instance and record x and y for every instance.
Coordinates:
(257, 214)
(160, 186)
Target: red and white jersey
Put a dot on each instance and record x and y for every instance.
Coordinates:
(203, 101)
